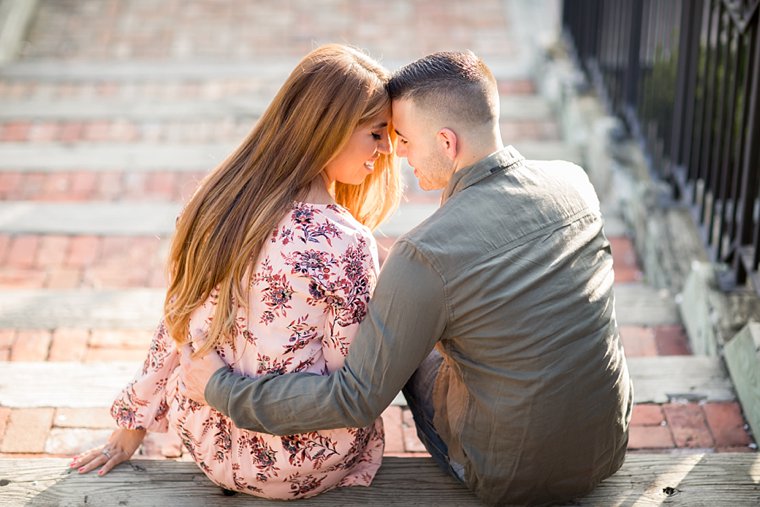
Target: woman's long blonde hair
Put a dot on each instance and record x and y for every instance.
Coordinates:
(221, 231)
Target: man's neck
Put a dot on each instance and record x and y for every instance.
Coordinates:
(478, 152)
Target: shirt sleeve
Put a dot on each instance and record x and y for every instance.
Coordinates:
(142, 404)
(406, 317)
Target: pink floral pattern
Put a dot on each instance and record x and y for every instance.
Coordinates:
(309, 291)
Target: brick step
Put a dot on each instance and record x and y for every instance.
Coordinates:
(194, 157)
(653, 479)
(93, 345)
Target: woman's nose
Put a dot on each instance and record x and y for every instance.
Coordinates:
(384, 145)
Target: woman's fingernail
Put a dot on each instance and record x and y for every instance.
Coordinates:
(81, 469)
(100, 473)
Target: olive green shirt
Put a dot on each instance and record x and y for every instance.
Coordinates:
(511, 278)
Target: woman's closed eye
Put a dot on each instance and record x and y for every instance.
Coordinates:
(376, 136)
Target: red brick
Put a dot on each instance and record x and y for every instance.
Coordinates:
(15, 131)
(83, 251)
(5, 414)
(55, 187)
(650, 437)
(64, 278)
(624, 260)
(18, 278)
(84, 185)
(53, 250)
(671, 341)
(7, 337)
(23, 251)
(71, 132)
(95, 418)
(394, 430)
(647, 415)
(44, 132)
(31, 346)
(726, 424)
(5, 244)
(188, 183)
(516, 87)
(162, 185)
(27, 430)
(638, 341)
(687, 424)
(10, 185)
(97, 131)
(69, 345)
(412, 442)
(158, 278)
(744, 448)
(123, 131)
(111, 186)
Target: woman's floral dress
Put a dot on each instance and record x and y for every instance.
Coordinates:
(309, 292)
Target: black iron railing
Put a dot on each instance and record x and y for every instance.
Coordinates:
(685, 77)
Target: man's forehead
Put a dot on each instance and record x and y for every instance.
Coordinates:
(401, 113)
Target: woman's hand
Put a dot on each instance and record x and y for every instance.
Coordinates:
(121, 445)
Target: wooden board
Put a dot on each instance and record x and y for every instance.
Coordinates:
(645, 479)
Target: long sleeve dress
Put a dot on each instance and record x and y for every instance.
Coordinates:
(309, 291)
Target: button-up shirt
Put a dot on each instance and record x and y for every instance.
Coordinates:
(512, 280)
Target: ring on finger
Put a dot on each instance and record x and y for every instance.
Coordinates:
(106, 453)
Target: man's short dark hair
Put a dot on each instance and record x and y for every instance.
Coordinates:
(457, 83)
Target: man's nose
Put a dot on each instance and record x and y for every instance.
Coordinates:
(400, 149)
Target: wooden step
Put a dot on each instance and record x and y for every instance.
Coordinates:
(77, 385)
(688, 480)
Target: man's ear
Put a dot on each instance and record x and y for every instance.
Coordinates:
(447, 140)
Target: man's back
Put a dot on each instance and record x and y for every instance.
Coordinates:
(534, 396)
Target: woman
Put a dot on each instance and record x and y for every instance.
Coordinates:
(271, 266)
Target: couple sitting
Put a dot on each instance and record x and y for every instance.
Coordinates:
(494, 316)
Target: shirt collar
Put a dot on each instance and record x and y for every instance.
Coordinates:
(468, 176)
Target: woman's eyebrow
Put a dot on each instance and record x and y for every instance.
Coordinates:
(380, 125)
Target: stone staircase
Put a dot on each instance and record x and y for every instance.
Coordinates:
(96, 159)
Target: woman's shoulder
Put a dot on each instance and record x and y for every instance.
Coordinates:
(310, 224)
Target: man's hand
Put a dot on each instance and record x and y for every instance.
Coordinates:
(196, 372)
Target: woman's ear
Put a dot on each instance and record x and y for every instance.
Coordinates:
(447, 140)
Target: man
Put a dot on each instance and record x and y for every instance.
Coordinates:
(526, 397)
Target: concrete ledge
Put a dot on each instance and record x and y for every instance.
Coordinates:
(712, 317)
(15, 16)
(742, 354)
